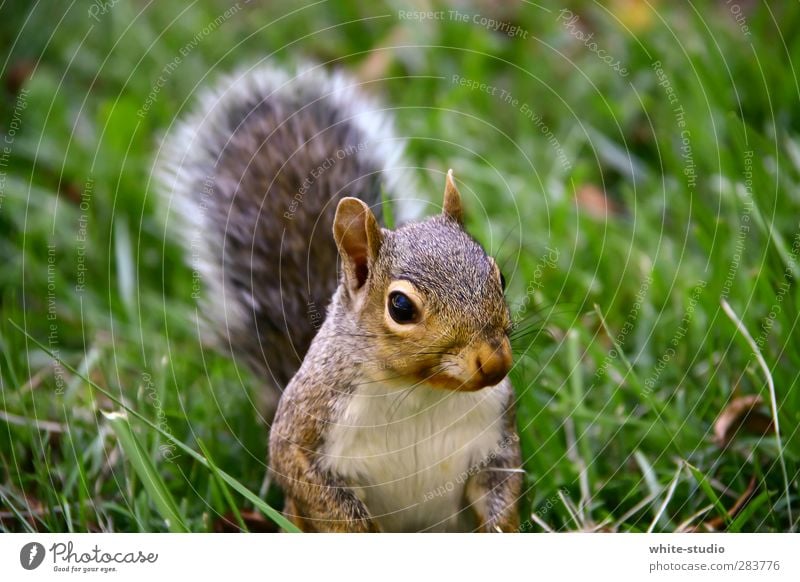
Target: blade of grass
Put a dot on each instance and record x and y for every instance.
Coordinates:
(667, 498)
(388, 210)
(541, 523)
(23, 522)
(650, 477)
(621, 521)
(571, 510)
(628, 366)
(577, 386)
(661, 411)
(265, 508)
(67, 513)
(126, 279)
(746, 138)
(705, 485)
(223, 487)
(147, 472)
(773, 401)
(745, 514)
(686, 523)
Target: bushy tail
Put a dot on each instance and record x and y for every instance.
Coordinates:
(250, 180)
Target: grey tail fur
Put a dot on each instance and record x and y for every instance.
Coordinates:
(252, 178)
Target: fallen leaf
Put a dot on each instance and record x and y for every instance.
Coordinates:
(72, 192)
(18, 75)
(380, 60)
(595, 203)
(718, 523)
(742, 414)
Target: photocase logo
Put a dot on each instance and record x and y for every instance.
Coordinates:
(31, 555)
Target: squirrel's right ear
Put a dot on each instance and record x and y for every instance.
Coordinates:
(452, 199)
(359, 239)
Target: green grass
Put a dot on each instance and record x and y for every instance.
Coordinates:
(628, 357)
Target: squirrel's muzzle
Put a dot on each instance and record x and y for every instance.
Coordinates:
(490, 362)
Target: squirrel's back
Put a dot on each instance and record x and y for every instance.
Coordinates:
(252, 177)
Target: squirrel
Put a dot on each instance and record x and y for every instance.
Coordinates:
(396, 413)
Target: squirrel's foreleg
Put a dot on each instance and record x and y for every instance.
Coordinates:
(315, 499)
(493, 492)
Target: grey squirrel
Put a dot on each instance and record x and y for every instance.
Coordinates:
(396, 414)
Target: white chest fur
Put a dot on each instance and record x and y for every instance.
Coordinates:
(408, 453)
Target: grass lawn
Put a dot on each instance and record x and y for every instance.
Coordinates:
(634, 166)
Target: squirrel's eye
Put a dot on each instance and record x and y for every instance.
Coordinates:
(401, 308)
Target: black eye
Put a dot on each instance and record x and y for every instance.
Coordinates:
(502, 282)
(401, 308)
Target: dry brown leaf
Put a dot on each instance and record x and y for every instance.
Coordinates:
(18, 75)
(718, 523)
(741, 414)
(594, 202)
(377, 64)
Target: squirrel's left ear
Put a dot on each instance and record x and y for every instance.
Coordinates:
(359, 239)
(452, 199)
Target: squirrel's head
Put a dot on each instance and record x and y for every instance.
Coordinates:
(428, 294)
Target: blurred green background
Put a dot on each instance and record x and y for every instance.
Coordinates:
(631, 164)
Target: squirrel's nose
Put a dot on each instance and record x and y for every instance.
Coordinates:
(492, 362)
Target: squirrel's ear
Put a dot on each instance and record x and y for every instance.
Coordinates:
(359, 239)
(452, 199)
